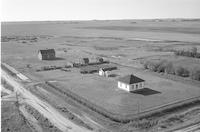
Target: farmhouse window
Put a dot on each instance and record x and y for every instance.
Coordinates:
(141, 85)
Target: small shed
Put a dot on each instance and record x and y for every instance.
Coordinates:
(103, 72)
(47, 54)
(105, 69)
(130, 83)
(85, 61)
(69, 64)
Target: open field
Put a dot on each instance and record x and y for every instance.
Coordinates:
(123, 43)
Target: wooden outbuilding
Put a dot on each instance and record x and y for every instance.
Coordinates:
(47, 54)
(85, 61)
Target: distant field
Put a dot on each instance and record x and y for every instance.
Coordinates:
(187, 30)
(168, 30)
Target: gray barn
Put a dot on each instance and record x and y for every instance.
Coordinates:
(47, 54)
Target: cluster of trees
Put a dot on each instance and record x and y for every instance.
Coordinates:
(164, 66)
(192, 53)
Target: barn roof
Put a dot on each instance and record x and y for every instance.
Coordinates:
(47, 51)
(130, 79)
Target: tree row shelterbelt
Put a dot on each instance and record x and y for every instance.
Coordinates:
(189, 53)
(166, 66)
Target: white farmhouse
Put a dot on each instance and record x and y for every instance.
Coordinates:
(130, 83)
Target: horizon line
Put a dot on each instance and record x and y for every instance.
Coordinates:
(181, 18)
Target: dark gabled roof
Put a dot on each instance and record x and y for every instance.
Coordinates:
(47, 51)
(108, 68)
(85, 58)
(130, 79)
(103, 69)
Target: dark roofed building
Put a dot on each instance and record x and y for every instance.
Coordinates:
(130, 83)
(85, 61)
(47, 54)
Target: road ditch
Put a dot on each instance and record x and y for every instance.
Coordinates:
(42, 107)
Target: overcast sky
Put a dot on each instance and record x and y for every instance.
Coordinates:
(36, 10)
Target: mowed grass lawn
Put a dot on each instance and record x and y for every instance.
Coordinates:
(105, 93)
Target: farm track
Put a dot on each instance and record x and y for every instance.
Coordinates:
(195, 127)
(44, 108)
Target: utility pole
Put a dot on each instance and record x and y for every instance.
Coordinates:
(17, 102)
(138, 107)
(138, 111)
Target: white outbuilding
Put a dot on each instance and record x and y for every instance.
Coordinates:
(103, 72)
(130, 83)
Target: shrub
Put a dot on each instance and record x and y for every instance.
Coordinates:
(195, 74)
(194, 50)
(197, 55)
(192, 53)
(161, 66)
(169, 69)
(180, 71)
(146, 65)
(153, 66)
